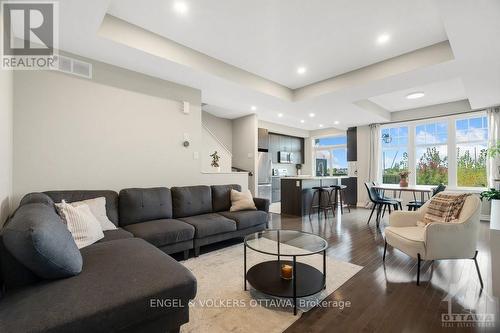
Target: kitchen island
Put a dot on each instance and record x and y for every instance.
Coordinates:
(297, 192)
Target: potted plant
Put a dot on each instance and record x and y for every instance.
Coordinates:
(493, 195)
(215, 161)
(403, 175)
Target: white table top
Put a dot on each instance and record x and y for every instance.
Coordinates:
(307, 177)
(396, 187)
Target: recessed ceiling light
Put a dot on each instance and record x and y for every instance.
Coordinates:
(301, 70)
(181, 7)
(336, 122)
(384, 38)
(320, 125)
(280, 115)
(253, 108)
(311, 115)
(302, 121)
(415, 95)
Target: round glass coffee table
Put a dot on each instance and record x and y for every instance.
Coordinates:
(286, 278)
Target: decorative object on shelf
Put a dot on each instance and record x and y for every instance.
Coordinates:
(299, 168)
(493, 196)
(215, 161)
(403, 182)
(286, 272)
(386, 137)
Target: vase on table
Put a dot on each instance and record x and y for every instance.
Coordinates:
(403, 182)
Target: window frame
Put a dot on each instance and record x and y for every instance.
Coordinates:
(328, 148)
(451, 146)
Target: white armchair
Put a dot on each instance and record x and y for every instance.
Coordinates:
(436, 240)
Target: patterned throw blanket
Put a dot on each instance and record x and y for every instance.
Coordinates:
(445, 207)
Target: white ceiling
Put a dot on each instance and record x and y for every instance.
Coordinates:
(270, 38)
(273, 38)
(435, 93)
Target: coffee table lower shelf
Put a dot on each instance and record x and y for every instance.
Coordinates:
(266, 278)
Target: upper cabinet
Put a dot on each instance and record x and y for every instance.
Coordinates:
(289, 144)
(263, 139)
(352, 144)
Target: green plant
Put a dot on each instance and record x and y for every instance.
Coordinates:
(404, 174)
(494, 150)
(491, 194)
(432, 169)
(215, 159)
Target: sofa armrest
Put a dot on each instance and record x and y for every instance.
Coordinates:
(450, 240)
(262, 204)
(404, 219)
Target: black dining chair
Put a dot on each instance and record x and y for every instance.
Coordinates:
(379, 203)
(414, 205)
(400, 205)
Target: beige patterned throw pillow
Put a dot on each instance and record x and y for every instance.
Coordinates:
(444, 207)
(242, 201)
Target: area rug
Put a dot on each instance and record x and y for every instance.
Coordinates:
(222, 305)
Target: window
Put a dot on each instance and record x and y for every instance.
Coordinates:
(394, 153)
(431, 151)
(331, 156)
(472, 143)
(449, 150)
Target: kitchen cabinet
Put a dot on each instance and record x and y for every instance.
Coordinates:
(274, 147)
(284, 143)
(263, 139)
(352, 144)
(276, 189)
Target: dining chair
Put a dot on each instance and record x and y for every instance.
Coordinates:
(379, 203)
(400, 205)
(414, 205)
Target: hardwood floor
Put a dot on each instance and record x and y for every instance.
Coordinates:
(386, 298)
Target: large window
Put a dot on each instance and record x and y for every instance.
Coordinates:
(449, 150)
(394, 153)
(331, 156)
(472, 142)
(431, 151)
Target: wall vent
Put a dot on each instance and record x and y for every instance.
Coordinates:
(73, 66)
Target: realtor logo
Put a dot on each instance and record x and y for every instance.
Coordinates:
(30, 34)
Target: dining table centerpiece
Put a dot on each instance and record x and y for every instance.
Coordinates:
(403, 178)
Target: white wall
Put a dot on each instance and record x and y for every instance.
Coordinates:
(120, 129)
(6, 111)
(222, 128)
(245, 147)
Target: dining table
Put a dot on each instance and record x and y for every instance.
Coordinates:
(398, 190)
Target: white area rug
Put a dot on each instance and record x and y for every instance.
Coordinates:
(221, 304)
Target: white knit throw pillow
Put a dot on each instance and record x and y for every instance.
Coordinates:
(83, 225)
(98, 208)
(241, 201)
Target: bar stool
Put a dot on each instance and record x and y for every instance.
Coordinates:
(322, 205)
(339, 197)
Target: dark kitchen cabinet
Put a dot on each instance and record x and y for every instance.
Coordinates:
(276, 189)
(263, 139)
(274, 147)
(289, 144)
(352, 144)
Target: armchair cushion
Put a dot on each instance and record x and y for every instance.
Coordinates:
(410, 240)
(404, 219)
(445, 207)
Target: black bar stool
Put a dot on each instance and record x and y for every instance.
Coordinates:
(324, 201)
(338, 195)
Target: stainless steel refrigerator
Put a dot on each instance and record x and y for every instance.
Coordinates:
(264, 175)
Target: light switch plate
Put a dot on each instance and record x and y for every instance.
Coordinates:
(297, 183)
(250, 155)
(196, 155)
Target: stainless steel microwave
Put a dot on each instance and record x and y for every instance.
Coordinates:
(285, 157)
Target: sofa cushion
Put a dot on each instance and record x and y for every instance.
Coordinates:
(191, 200)
(221, 196)
(162, 232)
(72, 196)
(118, 233)
(144, 204)
(37, 198)
(209, 224)
(38, 238)
(246, 218)
(113, 292)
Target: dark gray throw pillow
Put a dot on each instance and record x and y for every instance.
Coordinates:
(38, 239)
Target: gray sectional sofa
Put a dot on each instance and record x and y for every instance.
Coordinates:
(129, 267)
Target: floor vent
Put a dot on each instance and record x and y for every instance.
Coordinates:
(73, 66)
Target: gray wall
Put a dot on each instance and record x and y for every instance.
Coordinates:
(6, 111)
(120, 129)
(222, 128)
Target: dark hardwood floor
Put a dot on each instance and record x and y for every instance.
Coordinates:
(386, 298)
